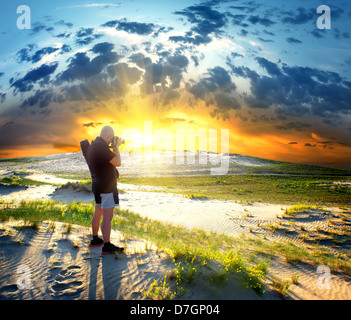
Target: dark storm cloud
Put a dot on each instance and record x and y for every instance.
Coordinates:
(265, 40)
(236, 55)
(218, 80)
(318, 34)
(217, 89)
(168, 96)
(42, 52)
(26, 54)
(163, 76)
(270, 67)
(323, 144)
(140, 60)
(2, 97)
(249, 7)
(160, 74)
(124, 72)
(38, 27)
(297, 126)
(221, 78)
(77, 93)
(92, 124)
(262, 21)
(103, 48)
(174, 74)
(110, 24)
(296, 91)
(299, 16)
(179, 61)
(302, 15)
(86, 36)
(204, 20)
(66, 48)
(82, 67)
(41, 98)
(191, 38)
(28, 81)
(64, 23)
(225, 102)
(336, 12)
(238, 20)
(97, 69)
(63, 35)
(140, 28)
(153, 73)
(31, 132)
(292, 40)
(84, 32)
(195, 60)
(339, 34)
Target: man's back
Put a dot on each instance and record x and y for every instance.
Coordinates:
(104, 177)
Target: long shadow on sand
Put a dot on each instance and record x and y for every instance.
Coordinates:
(110, 270)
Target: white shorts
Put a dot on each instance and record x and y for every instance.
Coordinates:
(108, 200)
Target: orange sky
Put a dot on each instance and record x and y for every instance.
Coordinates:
(245, 137)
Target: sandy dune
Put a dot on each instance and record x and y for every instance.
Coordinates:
(63, 266)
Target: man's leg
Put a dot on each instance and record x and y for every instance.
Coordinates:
(107, 215)
(95, 223)
(109, 201)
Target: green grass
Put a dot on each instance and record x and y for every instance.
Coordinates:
(275, 182)
(293, 210)
(285, 189)
(19, 181)
(281, 286)
(160, 291)
(198, 196)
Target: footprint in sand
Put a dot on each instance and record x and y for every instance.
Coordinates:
(67, 282)
(8, 292)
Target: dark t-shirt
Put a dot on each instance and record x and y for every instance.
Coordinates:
(104, 175)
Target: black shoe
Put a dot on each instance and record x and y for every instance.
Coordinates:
(96, 242)
(110, 248)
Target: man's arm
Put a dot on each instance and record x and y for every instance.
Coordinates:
(116, 161)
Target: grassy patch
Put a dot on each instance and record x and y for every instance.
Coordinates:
(160, 291)
(284, 189)
(281, 286)
(197, 196)
(293, 210)
(19, 181)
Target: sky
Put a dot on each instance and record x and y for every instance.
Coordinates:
(260, 68)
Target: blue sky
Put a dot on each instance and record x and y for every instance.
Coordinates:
(260, 66)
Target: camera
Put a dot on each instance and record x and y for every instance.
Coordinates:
(114, 141)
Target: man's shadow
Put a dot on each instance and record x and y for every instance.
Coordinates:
(111, 272)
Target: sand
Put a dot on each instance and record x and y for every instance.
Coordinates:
(157, 163)
(63, 266)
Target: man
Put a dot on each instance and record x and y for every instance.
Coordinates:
(103, 162)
